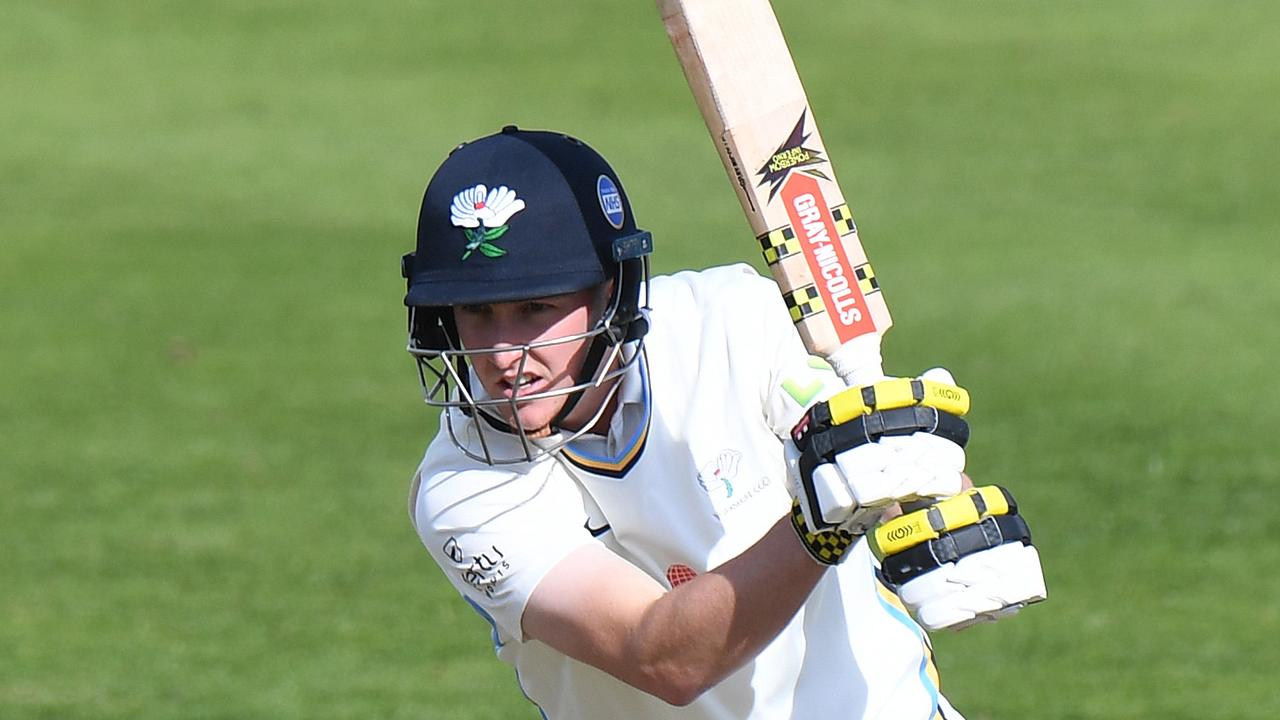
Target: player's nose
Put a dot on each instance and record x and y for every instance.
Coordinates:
(507, 358)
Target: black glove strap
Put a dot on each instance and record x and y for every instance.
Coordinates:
(949, 547)
(822, 447)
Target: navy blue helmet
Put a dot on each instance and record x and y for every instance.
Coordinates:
(519, 215)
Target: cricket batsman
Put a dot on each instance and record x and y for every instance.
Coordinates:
(663, 506)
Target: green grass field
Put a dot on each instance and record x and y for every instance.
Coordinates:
(208, 420)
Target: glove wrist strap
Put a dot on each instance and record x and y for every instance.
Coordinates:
(828, 547)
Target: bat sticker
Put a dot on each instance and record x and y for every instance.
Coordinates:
(844, 220)
(803, 302)
(778, 244)
(866, 279)
(817, 229)
(791, 155)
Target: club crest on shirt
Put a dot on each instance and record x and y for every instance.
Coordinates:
(730, 485)
(483, 214)
(717, 476)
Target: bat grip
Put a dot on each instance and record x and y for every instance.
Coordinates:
(858, 361)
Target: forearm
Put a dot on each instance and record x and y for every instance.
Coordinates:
(703, 630)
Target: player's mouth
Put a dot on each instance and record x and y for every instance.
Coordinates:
(521, 386)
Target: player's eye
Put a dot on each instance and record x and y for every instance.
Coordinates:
(474, 310)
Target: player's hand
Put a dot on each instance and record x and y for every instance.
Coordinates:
(962, 561)
(866, 449)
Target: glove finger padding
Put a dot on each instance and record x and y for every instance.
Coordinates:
(965, 560)
(826, 501)
(853, 456)
(984, 587)
(939, 375)
(930, 465)
(890, 540)
(836, 482)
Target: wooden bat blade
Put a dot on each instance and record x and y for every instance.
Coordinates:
(749, 93)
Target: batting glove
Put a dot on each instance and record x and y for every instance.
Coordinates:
(962, 561)
(866, 449)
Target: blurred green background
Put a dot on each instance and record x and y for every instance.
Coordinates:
(208, 421)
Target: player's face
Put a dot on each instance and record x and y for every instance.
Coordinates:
(506, 373)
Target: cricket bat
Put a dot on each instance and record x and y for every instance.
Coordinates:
(747, 88)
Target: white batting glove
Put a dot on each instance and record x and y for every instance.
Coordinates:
(966, 560)
(983, 587)
(853, 492)
(847, 469)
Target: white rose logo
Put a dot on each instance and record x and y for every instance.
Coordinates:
(483, 214)
(716, 477)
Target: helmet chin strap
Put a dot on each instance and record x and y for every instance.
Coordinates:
(590, 367)
(612, 334)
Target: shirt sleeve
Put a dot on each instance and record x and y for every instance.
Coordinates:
(496, 533)
(791, 379)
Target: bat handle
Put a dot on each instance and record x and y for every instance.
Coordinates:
(858, 361)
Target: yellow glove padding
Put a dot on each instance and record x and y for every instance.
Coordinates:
(914, 528)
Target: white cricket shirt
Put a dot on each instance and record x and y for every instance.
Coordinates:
(690, 476)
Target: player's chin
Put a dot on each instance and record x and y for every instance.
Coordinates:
(534, 417)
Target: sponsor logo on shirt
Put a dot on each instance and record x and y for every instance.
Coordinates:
(481, 571)
(679, 574)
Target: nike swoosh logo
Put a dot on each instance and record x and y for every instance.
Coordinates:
(596, 531)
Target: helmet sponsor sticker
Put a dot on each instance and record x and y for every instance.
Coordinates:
(610, 201)
(483, 215)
